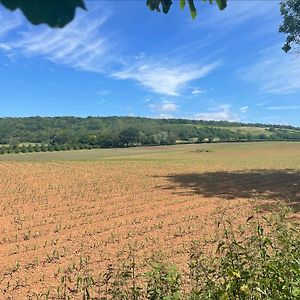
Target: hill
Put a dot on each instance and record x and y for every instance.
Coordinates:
(65, 133)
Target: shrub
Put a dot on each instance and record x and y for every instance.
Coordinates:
(3, 150)
(259, 261)
(164, 282)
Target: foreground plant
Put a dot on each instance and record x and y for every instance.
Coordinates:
(258, 260)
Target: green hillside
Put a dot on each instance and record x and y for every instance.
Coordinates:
(35, 134)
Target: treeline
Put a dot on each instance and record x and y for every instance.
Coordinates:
(41, 134)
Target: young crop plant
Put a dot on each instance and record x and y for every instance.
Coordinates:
(256, 261)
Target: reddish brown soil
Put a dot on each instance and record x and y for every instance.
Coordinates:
(53, 214)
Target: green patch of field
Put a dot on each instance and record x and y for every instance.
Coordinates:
(233, 156)
(252, 130)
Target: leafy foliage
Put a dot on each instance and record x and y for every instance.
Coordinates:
(290, 10)
(164, 282)
(258, 261)
(165, 5)
(55, 13)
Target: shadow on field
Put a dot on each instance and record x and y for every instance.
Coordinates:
(282, 185)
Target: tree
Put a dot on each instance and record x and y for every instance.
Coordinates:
(58, 13)
(129, 136)
(290, 10)
(3, 150)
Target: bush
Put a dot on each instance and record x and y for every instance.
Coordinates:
(3, 150)
(259, 261)
(37, 148)
(164, 282)
(23, 149)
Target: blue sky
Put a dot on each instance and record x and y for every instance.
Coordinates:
(119, 58)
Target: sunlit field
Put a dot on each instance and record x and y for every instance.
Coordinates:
(85, 209)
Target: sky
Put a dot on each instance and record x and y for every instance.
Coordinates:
(121, 59)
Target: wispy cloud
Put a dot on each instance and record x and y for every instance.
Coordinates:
(5, 47)
(8, 23)
(238, 12)
(291, 107)
(222, 113)
(164, 108)
(197, 91)
(103, 93)
(163, 78)
(275, 72)
(244, 109)
(85, 45)
(80, 45)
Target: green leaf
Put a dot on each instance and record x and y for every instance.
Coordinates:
(182, 4)
(153, 4)
(222, 4)
(193, 9)
(166, 4)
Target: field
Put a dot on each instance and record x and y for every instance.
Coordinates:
(83, 209)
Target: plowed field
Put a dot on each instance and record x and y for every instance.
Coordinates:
(58, 211)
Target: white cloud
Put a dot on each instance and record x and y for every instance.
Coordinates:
(164, 107)
(220, 114)
(238, 12)
(163, 78)
(197, 91)
(85, 45)
(80, 45)
(8, 23)
(103, 93)
(5, 47)
(275, 72)
(243, 109)
(292, 107)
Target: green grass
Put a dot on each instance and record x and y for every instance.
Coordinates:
(233, 156)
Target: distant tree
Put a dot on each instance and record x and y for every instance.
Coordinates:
(23, 149)
(250, 137)
(108, 138)
(56, 147)
(129, 136)
(44, 148)
(9, 150)
(37, 148)
(16, 149)
(68, 147)
(50, 148)
(171, 138)
(63, 147)
(290, 10)
(3, 150)
(201, 136)
(14, 141)
(262, 136)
